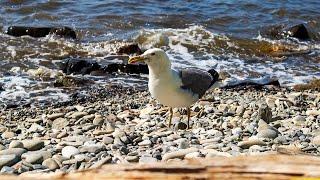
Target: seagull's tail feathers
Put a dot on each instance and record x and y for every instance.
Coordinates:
(215, 76)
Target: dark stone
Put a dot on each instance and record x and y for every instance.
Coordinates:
(18, 31)
(79, 66)
(1, 87)
(299, 31)
(127, 68)
(130, 49)
(252, 85)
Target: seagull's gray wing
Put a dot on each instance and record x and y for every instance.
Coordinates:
(196, 80)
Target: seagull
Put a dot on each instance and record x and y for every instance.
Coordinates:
(172, 88)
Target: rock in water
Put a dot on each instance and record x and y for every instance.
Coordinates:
(130, 49)
(299, 31)
(79, 66)
(127, 68)
(41, 31)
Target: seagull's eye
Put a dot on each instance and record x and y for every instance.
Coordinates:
(152, 54)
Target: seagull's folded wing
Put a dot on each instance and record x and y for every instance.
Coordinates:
(195, 80)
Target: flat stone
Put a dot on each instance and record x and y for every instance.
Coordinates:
(16, 151)
(55, 116)
(147, 159)
(8, 135)
(62, 135)
(91, 148)
(101, 162)
(33, 158)
(7, 170)
(313, 112)
(8, 160)
(132, 158)
(266, 131)
(33, 145)
(299, 120)
(79, 108)
(50, 164)
(35, 128)
(35, 120)
(69, 151)
(107, 140)
(316, 140)
(192, 155)
(98, 120)
(78, 115)
(178, 154)
(15, 144)
(60, 123)
(146, 142)
(247, 144)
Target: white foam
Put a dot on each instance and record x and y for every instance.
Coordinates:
(179, 51)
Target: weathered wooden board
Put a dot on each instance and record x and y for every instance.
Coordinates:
(241, 167)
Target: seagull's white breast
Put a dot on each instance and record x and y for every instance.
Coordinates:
(166, 89)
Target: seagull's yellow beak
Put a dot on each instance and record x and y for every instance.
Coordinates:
(136, 59)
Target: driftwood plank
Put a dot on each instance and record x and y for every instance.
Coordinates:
(241, 167)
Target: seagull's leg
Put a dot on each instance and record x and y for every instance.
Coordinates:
(188, 113)
(170, 116)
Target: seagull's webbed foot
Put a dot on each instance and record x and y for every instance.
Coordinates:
(188, 113)
(170, 116)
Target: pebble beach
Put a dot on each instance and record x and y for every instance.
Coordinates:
(115, 125)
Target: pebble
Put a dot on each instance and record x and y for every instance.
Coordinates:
(299, 120)
(51, 164)
(247, 144)
(78, 115)
(146, 142)
(34, 158)
(147, 159)
(7, 170)
(180, 126)
(98, 120)
(8, 135)
(178, 154)
(16, 151)
(15, 144)
(316, 140)
(69, 151)
(107, 140)
(266, 131)
(33, 145)
(55, 116)
(60, 123)
(8, 160)
(132, 158)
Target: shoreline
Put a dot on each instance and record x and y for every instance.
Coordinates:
(119, 125)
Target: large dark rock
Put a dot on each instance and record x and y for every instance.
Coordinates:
(299, 31)
(127, 68)
(130, 49)
(79, 66)
(18, 31)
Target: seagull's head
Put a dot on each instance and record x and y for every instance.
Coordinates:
(155, 58)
